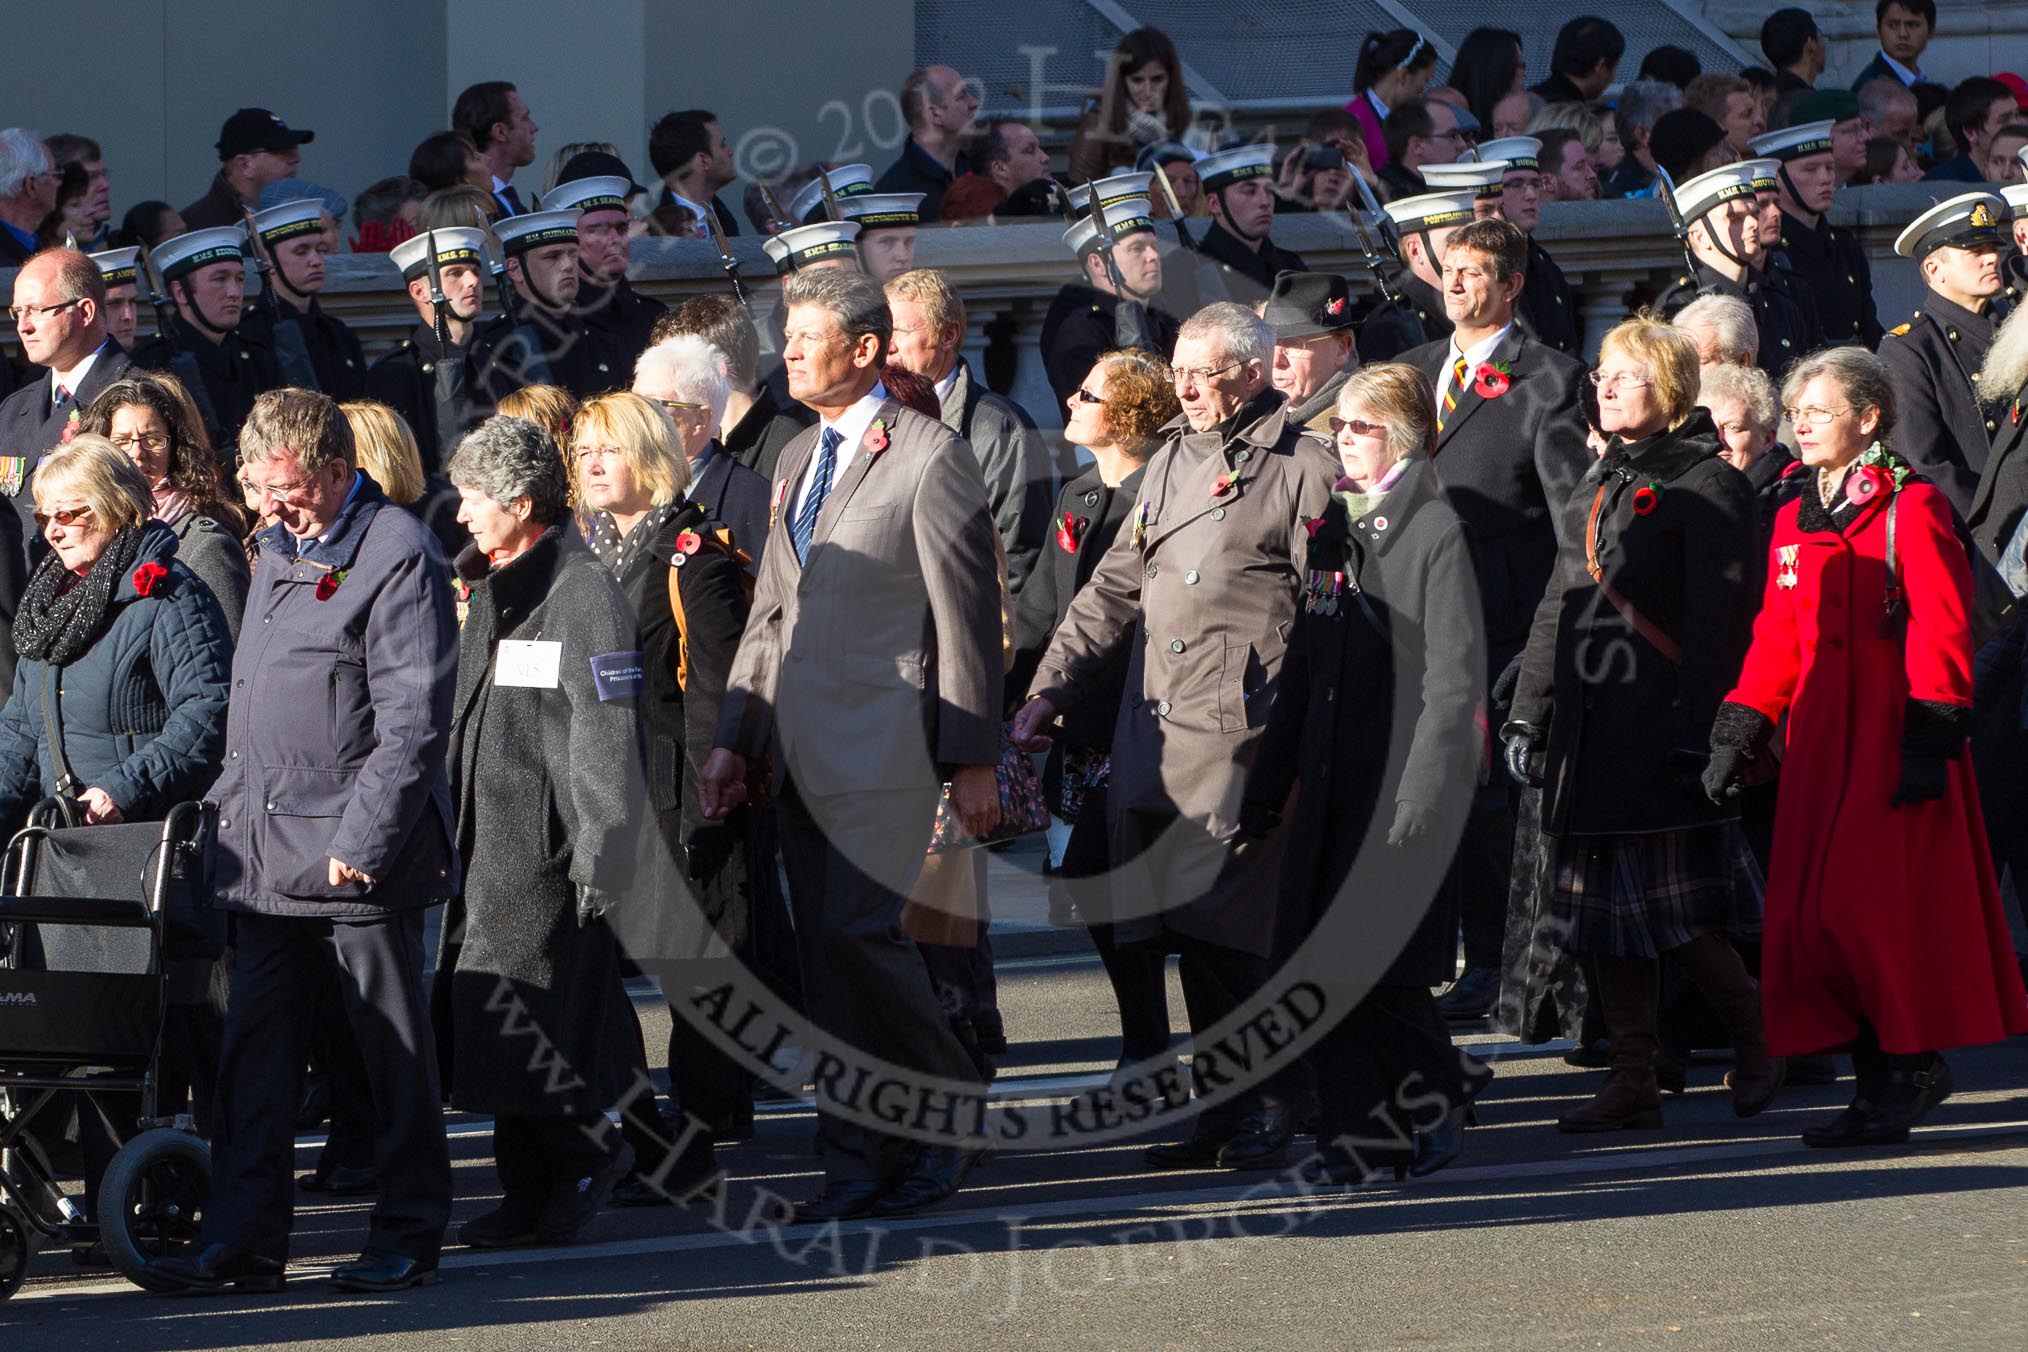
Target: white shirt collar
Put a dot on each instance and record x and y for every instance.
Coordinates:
(851, 428)
(949, 382)
(75, 376)
(1378, 106)
(1480, 350)
(1901, 72)
(500, 185)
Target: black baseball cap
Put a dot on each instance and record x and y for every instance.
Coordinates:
(255, 129)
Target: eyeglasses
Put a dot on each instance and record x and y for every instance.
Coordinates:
(1085, 396)
(1619, 380)
(20, 312)
(1357, 427)
(146, 442)
(1178, 374)
(281, 492)
(1813, 416)
(680, 406)
(587, 452)
(63, 516)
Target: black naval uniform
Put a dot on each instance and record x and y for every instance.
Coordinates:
(761, 433)
(1428, 305)
(579, 356)
(1228, 270)
(1831, 266)
(2014, 274)
(1389, 329)
(1548, 306)
(1787, 331)
(334, 350)
(623, 317)
(406, 381)
(1940, 425)
(1080, 326)
(235, 371)
(2002, 498)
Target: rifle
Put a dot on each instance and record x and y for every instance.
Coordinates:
(292, 354)
(1183, 236)
(727, 261)
(1389, 245)
(1665, 188)
(774, 207)
(830, 198)
(182, 364)
(450, 364)
(534, 357)
(1130, 321)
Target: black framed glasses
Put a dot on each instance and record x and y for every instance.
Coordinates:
(20, 312)
(1085, 396)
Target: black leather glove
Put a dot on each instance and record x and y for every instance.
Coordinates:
(1924, 779)
(1411, 821)
(1523, 742)
(1257, 821)
(591, 903)
(1725, 773)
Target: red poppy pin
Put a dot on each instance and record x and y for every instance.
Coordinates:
(876, 436)
(1069, 530)
(1864, 483)
(1335, 306)
(1646, 498)
(70, 427)
(146, 576)
(1221, 485)
(1313, 525)
(1492, 380)
(327, 585)
(689, 542)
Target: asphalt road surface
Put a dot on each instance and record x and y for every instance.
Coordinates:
(1712, 1233)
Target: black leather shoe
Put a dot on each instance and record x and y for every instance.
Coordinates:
(695, 1177)
(1478, 1074)
(1818, 1069)
(1471, 996)
(939, 1171)
(1200, 1151)
(503, 1227)
(1440, 1144)
(842, 1199)
(342, 1181)
(211, 1270)
(379, 1270)
(1672, 1073)
(1594, 1055)
(573, 1207)
(1906, 1100)
(1262, 1141)
(1842, 1130)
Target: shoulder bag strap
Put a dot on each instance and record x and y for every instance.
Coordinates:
(1629, 612)
(67, 786)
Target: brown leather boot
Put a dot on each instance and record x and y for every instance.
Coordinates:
(1715, 966)
(1630, 1099)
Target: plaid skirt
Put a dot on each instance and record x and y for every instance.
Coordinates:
(1640, 896)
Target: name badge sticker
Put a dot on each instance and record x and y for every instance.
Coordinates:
(528, 663)
(619, 675)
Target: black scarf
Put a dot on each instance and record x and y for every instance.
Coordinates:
(58, 622)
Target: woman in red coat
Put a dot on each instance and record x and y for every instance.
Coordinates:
(1883, 926)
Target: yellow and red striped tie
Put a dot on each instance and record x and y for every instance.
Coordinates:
(1456, 384)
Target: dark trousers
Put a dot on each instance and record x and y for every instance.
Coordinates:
(1485, 872)
(1136, 971)
(850, 859)
(277, 978)
(536, 1157)
(334, 1054)
(1385, 1069)
(1216, 981)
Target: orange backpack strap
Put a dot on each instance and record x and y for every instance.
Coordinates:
(719, 538)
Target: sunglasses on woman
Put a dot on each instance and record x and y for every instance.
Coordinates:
(65, 516)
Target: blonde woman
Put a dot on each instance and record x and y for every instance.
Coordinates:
(1633, 647)
(689, 603)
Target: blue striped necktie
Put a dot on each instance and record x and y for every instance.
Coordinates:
(805, 523)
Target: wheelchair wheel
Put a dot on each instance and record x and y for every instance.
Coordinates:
(152, 1200)
(17, 1246)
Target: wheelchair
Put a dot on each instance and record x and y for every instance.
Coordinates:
(92, 921)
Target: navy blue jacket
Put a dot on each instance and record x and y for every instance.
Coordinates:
(142, 711)
(340, 721)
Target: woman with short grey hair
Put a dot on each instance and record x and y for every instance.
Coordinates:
(545, 756)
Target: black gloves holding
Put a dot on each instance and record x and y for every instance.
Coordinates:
(1524, 753)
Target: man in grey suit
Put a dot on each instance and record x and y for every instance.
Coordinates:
(871, 671)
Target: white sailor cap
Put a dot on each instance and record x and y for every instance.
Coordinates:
(807, 244)
(185, 253)
(847, 180)
(1520, 152)
(1482, 176)
(1795, 143)
(119, 266)
(1698, 197)
(2014, 194)
(455, 244)
(882, 210)
(304, 216)
(1118, 188)
(600, 192)
(1434, 210)
(1124, 217)
(534, 229)
(1223, 168)
(1765, 174)
(1964, 222)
